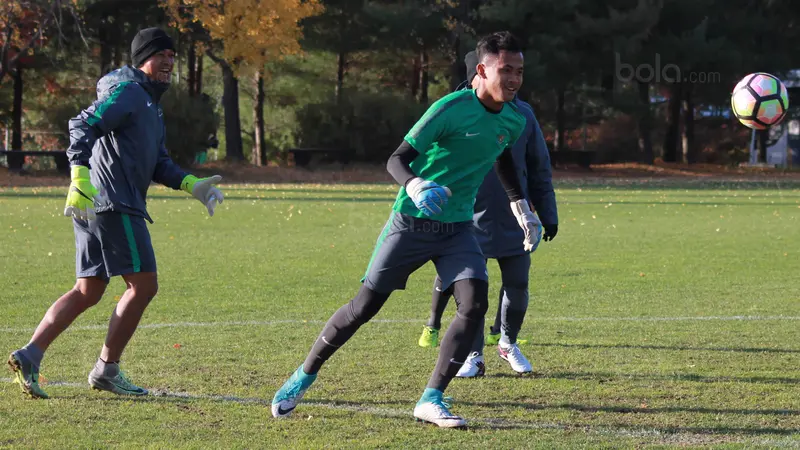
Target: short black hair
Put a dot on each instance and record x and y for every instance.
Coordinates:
(494, 43)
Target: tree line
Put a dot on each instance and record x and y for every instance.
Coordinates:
(358, 73)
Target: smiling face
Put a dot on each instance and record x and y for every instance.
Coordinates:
(159, 66)
(501, 76)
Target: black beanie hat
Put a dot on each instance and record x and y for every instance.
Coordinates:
(471, 60)
(148, 42)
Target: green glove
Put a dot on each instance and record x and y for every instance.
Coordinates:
(203, 190)
(80, 198)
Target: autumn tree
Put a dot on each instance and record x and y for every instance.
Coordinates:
(26, 25)
(240, 36)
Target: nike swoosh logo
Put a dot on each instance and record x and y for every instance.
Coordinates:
(282, 411)
(472, 134)
(149, 103)
(456, 362)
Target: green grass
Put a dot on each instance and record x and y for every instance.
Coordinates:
(633, 328)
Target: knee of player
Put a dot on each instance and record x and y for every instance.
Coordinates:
(366, 305)
(474, 308)
(144, 288)
(516, 285)
(90, 290)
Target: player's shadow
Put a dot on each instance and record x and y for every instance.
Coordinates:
(603, 377)
(399, 409)
(668, 347)
(631, 410)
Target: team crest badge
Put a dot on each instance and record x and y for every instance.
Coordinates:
(501, 139)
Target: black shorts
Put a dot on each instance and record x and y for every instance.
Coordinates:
(113, 244)
(407, 243)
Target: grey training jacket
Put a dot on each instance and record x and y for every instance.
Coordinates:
(120, 137)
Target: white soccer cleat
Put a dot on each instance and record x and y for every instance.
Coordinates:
(473, 366)
(515, 358)
(438, 414)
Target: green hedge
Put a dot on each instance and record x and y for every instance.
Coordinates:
(371, 124)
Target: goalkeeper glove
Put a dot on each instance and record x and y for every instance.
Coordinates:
(529, 222)
(80, 198)
(428, 196)
(203, 190)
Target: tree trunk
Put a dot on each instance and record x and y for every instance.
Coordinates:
(198, 82)
(118, 50)
(423, 95)
(16, 111)
(415, 74)
(233, 125)
(607, 86)
(341, 61)
(561, 124)
(191, 65)
(673, 123)
(259, 150)
(104, 36)
(456, 74)
(689, 149)
(645, 124)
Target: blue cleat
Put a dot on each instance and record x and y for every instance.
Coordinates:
(290, 394)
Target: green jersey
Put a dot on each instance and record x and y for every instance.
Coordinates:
(458, 141)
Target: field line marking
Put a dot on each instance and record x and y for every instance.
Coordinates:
(493, 423)
(245, 323)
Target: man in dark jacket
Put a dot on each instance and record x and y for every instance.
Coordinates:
(116, 150)
(499, 235)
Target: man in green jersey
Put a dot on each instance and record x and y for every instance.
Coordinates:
(440, 165)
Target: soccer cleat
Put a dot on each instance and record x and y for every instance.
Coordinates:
(26, 376)
(433, 408)
(430, 337)
(494, 339)
(473, 367)
(109, 377)
(515, 358)
(290, 394)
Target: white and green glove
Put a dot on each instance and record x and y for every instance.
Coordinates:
(529, 222)
(203, 190)
(80, 198)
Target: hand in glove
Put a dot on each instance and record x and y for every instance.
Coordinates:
(203, 189)
(529, 222)
(550, 232)
(80, 198)
(428, 196)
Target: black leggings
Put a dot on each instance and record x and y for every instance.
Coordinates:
(471, 297)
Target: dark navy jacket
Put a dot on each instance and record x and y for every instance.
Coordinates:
(121, 138)
(495, 226)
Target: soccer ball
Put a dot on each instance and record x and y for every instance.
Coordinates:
(760, 100)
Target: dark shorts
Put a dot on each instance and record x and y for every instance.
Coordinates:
(407, 243)
(113, 244)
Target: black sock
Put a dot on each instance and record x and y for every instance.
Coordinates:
(439, 303)
(342, 325)
(472, 300)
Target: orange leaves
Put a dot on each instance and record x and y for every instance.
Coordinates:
(251, 31)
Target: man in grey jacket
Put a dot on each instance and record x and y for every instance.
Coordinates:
(116, 150)
(499, 236)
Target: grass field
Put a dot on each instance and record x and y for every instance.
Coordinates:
(660, 315)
